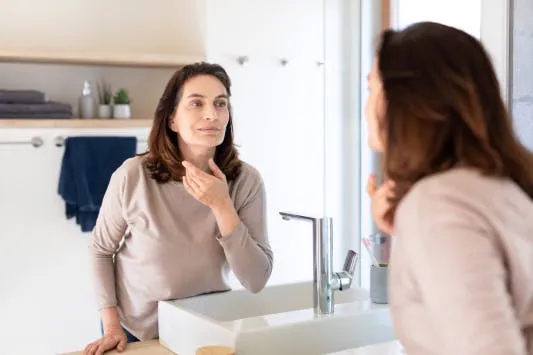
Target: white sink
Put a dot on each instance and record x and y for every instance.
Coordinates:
(278, 320)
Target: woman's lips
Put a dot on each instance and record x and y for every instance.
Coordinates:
(209, 131)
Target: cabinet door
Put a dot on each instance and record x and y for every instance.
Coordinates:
(45, 288)
(45, 284)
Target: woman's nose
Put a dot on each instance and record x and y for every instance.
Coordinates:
(210, 113)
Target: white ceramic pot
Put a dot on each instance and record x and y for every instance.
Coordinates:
(104, 111)
(122, 111)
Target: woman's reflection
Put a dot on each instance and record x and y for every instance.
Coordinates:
(189, 210)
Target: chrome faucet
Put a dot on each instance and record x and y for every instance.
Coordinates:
(325, 281)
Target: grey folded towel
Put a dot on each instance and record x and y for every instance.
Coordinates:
(21, 97)
(48, 107)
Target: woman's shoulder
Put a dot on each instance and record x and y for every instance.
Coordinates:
(249, 181)
(455, 184)
(131, 169)
(249, 172)
(460, 189)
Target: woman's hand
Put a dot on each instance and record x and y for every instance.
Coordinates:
(211, 190)
(381, 207)
(114, 338)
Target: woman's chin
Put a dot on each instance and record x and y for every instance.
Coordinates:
(209, 142)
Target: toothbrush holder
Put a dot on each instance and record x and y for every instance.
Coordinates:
(379, 281)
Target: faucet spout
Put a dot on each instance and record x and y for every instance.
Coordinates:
(325, 281)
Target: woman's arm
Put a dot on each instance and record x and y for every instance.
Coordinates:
(106, 236)
(243, 236)
(460, 271)
(243, 233)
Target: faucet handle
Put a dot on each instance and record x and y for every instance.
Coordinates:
(345, 277)
(350, 263)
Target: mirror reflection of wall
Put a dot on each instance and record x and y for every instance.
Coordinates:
(522, 70)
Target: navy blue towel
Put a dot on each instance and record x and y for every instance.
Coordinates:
(87, 166)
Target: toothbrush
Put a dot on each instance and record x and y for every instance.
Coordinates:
(367, 244)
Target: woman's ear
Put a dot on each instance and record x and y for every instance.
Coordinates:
(172, 123)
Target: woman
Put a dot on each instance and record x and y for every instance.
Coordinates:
(188, 209)
(460, 203)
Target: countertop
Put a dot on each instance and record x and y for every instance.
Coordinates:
(151, 347)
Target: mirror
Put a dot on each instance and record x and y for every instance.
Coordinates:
(293, 122)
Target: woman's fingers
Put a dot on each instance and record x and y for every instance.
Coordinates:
(371, 185)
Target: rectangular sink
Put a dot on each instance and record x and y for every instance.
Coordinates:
(278, 320)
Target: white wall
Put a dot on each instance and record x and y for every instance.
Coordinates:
(100, 26)
(278, 111)
(281, 128)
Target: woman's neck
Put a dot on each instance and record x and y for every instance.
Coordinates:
(197, 155)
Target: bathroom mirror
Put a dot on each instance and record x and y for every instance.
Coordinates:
(294, 67)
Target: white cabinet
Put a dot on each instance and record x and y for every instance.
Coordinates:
(45, 289)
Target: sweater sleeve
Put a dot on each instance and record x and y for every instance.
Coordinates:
(106, 237)
(460, 271)
(247, 248)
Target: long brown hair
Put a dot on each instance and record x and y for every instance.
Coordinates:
(444, 109)
(163, 158)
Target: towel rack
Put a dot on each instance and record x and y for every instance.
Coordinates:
(59, 141)
(36, 142)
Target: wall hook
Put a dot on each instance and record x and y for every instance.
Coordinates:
(243, 59)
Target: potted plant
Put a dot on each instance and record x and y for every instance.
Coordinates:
(105, 95)
(122, 108)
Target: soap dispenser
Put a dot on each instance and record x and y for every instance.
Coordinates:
(86, 101)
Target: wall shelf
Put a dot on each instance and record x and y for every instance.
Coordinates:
(90, 58)
(75, 123)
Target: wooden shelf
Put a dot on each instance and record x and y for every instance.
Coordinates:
(75, 123)
(111, 59)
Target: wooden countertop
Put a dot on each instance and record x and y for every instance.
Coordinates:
(76, 123)
(151, 347)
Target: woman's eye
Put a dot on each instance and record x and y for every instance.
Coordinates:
(196, 103)
(221, 104)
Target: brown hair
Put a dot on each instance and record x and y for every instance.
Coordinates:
(444, 109)
(163, 158)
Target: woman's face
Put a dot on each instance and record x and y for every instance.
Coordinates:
(202, 113)
(374, 109)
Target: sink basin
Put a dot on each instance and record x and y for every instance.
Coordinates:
(278, 320)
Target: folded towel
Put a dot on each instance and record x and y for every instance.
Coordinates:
(21, 97)
(87, 166)
(47, 107)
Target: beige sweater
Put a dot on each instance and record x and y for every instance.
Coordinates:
(171, 248)
(462, 267)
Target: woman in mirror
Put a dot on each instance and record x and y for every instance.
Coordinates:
(175, 220)
(458, 196)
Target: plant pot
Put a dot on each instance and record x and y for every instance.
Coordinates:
(104, 111)
(122, 111)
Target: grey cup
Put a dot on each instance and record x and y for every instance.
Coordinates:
(379, 280)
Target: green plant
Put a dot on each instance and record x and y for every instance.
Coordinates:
(104, 93)
(122, 97)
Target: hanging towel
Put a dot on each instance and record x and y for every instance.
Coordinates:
(87, 166)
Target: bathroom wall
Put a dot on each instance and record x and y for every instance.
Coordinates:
(306, 162)
(173, 27)
(522, 70)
